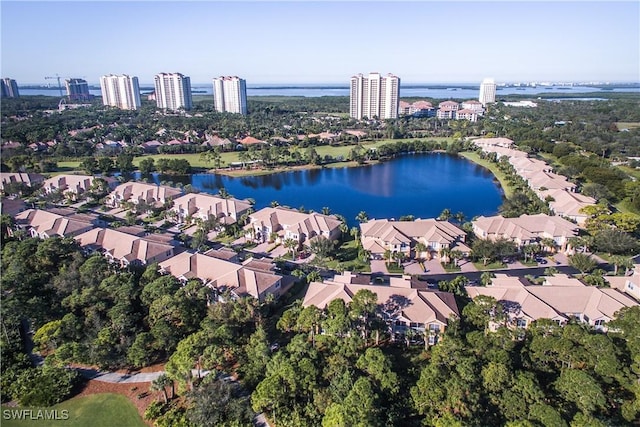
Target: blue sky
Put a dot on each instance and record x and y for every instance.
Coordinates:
(323, 42)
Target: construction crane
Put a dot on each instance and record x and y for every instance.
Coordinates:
(57, 77)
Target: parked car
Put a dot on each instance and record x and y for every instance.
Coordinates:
(541, 260)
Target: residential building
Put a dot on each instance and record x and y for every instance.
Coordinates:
(417, 109)
(467, 114)
(70, 185)
(447, 110)
(560, 299)
(379, 236)
(230, 94)
(425, 312)
(27, 179)
(525, 229)
(77, 90)
(568, 204)
(493, 142)
(224, 276)
(473, 105)
(284, 223)
(173, 91)
(44, 224)
(374, 96)
(139, 192)
(121, 91)
(627, 284)
(124, 248)
(9, 88)
(204, 206)
(487, 92)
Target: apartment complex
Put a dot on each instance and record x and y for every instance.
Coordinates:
(230, 95)
(173, 91)
(77, 89)
(487, 92)
(120, 91)
(9, 88)
(374, 96)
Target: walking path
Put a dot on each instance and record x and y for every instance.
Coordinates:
(118, 378)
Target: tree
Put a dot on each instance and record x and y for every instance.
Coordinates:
(147, 165)
(219, 403)
(582, 262)
(445, 215)
(615, 242)
(362, 217)
(160, 384)
(580, 388)
(379, 368)
(322, 247)
(484, 250)
(291, 245)
(621, 261)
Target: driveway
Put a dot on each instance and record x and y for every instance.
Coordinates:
(378, 266)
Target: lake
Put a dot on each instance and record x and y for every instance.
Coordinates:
(420, 184)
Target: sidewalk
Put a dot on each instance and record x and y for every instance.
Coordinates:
(116, 378)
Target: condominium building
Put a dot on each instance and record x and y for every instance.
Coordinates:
(120, 91)
(173, 91)
(77, 89)
(230, 94)
(487, 92)
(9, 88)
(374, 96)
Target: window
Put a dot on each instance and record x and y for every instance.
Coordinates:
(434, 327)
(521, 323)
(599, 323)
(630, 286)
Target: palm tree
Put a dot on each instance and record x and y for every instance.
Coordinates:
(549, 244)
(445, 215)
(583, 263)
(459, 217)
(326, 210)
(485, 278)
(420, 248)
(399, 257)
(530, 250)
(292, 245)
(445, 253)
(456, 255)
(620, 261)
(362, 217)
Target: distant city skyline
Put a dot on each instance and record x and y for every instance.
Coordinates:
(276, 43)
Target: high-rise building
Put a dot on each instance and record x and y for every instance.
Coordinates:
(173, 91)
(374, 96)
(487, 92)
(120, 91)
(230, 94)
(9, 88)
(77, 89)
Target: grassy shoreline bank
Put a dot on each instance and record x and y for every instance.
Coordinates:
(497, 173)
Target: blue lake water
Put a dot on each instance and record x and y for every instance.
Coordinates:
(421, 185)
(424, 91)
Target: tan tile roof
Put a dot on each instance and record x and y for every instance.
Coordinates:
(524, 228)
(309, 224)
(206, 205)
(420, 306)
(385, 232)
(26, 178)
(51, 224)
(74, 183)
(123, 246)
(559, 298)
(139, 191)
(250, 140)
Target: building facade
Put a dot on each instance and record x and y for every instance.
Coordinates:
(230, 94)
(487, 92)
(77, 89)
(173, 91)
(120, 91)
(9, 88)
(374, 96)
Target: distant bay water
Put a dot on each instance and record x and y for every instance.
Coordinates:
(457, 91)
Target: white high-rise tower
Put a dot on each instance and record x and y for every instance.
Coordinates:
(230, 94)
(173, 91)
(374, 96)
(487, 92)
(120, 91)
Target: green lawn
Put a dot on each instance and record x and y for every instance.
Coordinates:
(491, 266)
(500, 176)
(347, 258)
(98, 410)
